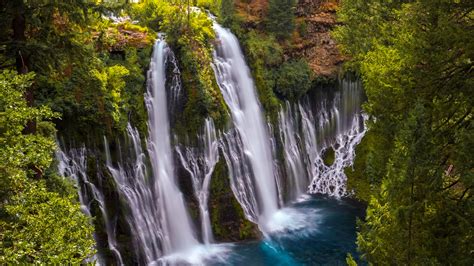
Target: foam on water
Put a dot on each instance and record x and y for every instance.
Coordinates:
(198, 255)
(291, 220)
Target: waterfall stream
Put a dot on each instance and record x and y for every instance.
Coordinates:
(270, 167)
(73, 164)
(338, 125)
(200, 163)
(238, 89)
(178, 233)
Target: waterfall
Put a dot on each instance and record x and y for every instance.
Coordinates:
(200, 163)
(294, 164)
(178, 234)
(137, 196)
(73, 164)
(346, 116)
(238, 89)
(337, 125)
(157, 214)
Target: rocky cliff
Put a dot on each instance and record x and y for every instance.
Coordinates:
(311, 39)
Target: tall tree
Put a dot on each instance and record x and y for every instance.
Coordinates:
(36, 225)
(416, 60)
(281, 18)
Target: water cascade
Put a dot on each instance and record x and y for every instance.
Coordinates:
(138, 198)
(292, 148)
(157, 213)
(200, 163)
(178, 234)
(74, 165)
(337, 125)
(238, 89)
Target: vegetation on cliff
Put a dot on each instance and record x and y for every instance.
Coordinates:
(415, 58)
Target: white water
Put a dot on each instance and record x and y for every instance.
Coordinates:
(73, 164)
(294, 164)
(200, 163)
(338, 125)
(156, 210)
(137, 196)
(176, 226)
(238, 89)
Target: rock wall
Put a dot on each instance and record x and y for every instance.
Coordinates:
(312, 36)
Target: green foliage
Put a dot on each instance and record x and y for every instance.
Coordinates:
(350, 260)
(264, 54)
(110, 82)
(415, 58)
(281, 18)
(36, 225)
(302, 28)
(264, 49)
(227, 12)
(329, 156)
(293, 79)
(227, 217)
(45, 228)
(20, 152)
(191, 36)
(214, 6)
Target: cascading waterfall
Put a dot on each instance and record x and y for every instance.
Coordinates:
(157, 212)
(238, 89)
(239, 173)
(154, 206)
(338, 125)
(74, 165)
(176, 226)
(200, 163)
(294, 164)
(136, 193)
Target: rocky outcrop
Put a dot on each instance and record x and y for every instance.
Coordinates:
(316, 19)
(312, 37)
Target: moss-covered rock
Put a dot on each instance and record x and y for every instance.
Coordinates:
(329, 156)
(227, 217)
(358, 176)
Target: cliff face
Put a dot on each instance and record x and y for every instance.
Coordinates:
(317, 46)
(311, 39)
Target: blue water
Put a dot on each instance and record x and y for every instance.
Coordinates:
(317, 231)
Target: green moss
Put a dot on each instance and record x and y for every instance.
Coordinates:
(358, 177)
(227, 217)
(329, 156)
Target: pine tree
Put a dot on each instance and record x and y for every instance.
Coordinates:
(281, 18)
(416, 60)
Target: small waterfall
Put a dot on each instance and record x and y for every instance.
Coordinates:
(239, 173)
(338, 125)
(74, 165)
(294, 164)
(200, 163)
(176, 226)
(238, 89)
(137, 196)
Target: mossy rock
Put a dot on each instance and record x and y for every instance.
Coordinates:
(329, 156)
(227, 217)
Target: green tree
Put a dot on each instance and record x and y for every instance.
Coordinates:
(281, 18)
(45, 227)
(227, 12)
(416, 60)
(293, 79)
(36, 225)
